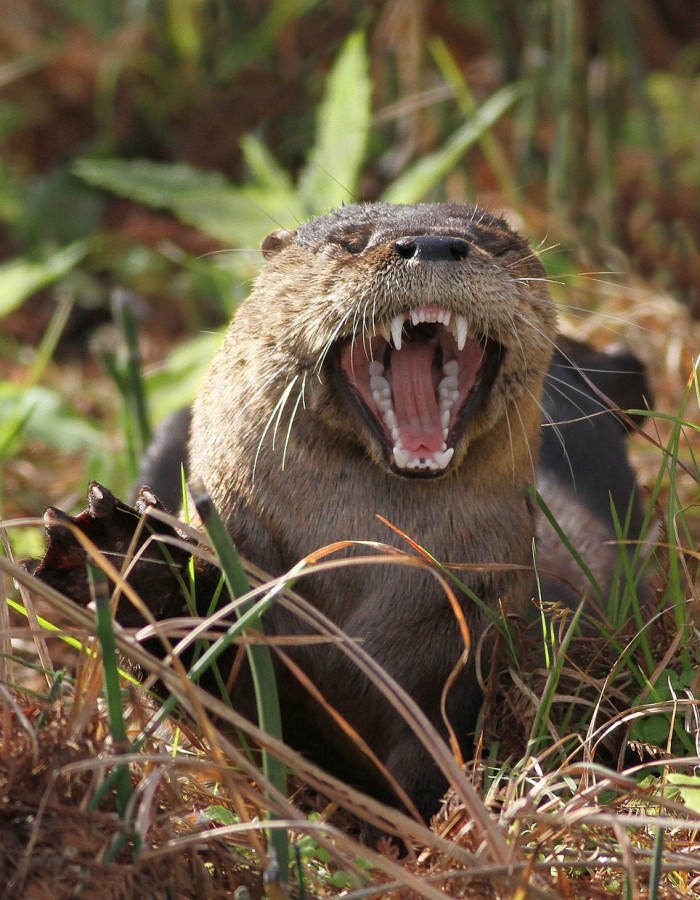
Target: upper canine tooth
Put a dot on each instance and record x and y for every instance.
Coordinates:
(462, 331)
(385, 331)
(396, 329)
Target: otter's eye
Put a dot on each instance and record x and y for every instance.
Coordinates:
(499, 246)
(353, 241)
(496, 241)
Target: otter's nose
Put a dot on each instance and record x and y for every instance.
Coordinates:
(432, 247)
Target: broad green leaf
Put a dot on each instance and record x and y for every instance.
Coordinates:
(263, 166)
(689, 789)
(417, 182)
(177, 380)
(333, 169)
(220, 814)
(20, 278)
(46, 417)
(238, 217)
(653, 730)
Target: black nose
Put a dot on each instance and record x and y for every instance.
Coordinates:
(431, 247)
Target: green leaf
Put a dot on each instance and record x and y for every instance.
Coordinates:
(175, 383)
(417, 182)
(263, 166)
(20, 278)
(653, 729)
(58, 209)
(238, 217)
(220, 814)
(339, 879)
(689, 789)
(333, 169)
(46, 418)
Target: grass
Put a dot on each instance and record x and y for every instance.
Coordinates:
(539, 816)
(585, 784)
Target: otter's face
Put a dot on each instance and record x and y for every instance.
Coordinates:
(423, 324)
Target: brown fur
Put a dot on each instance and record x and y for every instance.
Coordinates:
(292, 466)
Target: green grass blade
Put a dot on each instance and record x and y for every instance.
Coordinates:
(492, 149)
(259, 659)
(425, 175)
(565, 540)
(132, 380)
(656, 864)
(112, 688)
(538, 731)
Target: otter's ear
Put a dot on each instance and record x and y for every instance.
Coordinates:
(276, 241)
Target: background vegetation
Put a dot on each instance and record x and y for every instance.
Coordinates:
(147, 147)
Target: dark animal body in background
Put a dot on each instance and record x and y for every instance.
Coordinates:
(400, 361)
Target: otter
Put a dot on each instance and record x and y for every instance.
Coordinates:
(396, 362)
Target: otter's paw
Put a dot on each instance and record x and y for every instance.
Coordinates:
(128, 537)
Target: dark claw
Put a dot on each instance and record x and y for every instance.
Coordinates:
(101, 502)
(146, 499)
(119, 532)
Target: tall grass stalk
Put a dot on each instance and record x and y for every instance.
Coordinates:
(115, 712)
(568, 172)
(259, 659)
(125, 370)
(489, 144)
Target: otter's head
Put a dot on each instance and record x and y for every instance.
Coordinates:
(415, 328)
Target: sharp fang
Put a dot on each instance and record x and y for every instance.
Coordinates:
(444, 457)
(462, 331)
(385, 331)
(396, 329)
(401, 457)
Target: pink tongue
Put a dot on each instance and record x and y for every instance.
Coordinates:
(415, 404)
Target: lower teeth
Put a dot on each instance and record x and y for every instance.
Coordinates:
(447, 392)
(435, 462)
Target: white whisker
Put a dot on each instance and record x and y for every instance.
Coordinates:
(300, 399)
(276, 413)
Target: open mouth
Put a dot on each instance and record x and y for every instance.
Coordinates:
(417, 381)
